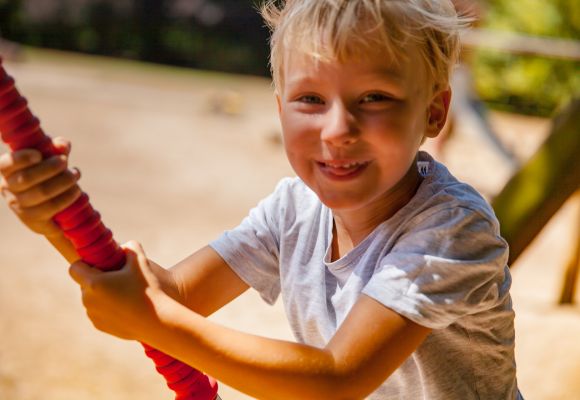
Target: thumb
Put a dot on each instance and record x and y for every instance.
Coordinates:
(135, 254)
(61, 145)
(82, 273)
(138, 262)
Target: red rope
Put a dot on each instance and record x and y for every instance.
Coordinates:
(94, 243)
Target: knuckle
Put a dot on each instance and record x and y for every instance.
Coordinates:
(75, 193)
(55, 186)
(26, 215)
(75, 173)
(37, 213)
(12, 199)
(69, 179)
(44, 190)
(23, 158)
(15, 206)
(3, 186)
(4, 162)
(61, 161)
(31, 157)
(65, 199)
(56, 204)
(10, 162)
(56, 163)
(29, 198)
(19, 180)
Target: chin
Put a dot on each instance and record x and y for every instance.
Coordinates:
(343, 202)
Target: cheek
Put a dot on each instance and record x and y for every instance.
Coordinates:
(293, 139)
(403, 118)
(299, 134)
(398, 130)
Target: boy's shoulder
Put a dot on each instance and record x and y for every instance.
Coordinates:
(441, 190)
(443, 206)
(448, 220)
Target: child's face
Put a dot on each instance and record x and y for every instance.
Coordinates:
(352, 130)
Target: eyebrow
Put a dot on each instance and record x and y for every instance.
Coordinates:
(395, 72)
(392, 73)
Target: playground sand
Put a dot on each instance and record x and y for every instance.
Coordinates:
(172, 158)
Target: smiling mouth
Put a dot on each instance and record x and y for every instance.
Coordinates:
(337, 170)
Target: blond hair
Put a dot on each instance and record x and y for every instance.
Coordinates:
(342, 29)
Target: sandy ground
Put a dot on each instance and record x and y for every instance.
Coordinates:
(167, 166)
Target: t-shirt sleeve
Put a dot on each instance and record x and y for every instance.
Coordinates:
(451, 264)
(252, 248)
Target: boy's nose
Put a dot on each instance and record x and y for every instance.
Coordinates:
(340, 126)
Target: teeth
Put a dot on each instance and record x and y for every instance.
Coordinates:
(345, 166)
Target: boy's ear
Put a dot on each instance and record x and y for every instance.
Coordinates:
(437, 112)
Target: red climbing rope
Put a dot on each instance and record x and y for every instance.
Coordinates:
(82, 225)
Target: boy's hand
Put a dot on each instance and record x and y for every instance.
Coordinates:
(124, 303)
(37, 189)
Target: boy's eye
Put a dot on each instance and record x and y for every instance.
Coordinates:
(310, 99)
(374, 97)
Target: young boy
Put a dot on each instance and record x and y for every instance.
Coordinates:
(393, 274)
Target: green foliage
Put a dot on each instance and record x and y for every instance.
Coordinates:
(538, 189)
(529, 84)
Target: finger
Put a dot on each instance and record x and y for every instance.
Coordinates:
(25, 179)
(131, 248)
(47, 190)
(76, 172)
(62, 145)
(83, 274)
(3, 187)
(11, 162)
(135, 254)
(48, 209)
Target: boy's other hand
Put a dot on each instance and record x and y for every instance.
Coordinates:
(37, 189)
(126, 302)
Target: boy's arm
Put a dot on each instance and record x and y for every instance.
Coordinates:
(63, 246)
(370, 344)
(203, 282)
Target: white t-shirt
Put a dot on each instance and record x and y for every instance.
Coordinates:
(439, 261)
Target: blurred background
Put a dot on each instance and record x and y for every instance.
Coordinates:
(228, 35)
(223, 35)
(170, 109)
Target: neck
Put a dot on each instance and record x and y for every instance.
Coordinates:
(352, 226)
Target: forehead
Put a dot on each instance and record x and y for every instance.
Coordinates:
(375, 66)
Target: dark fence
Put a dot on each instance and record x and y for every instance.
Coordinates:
(223, 35)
